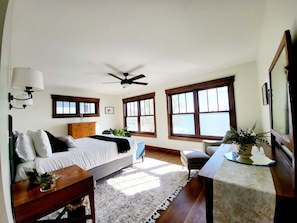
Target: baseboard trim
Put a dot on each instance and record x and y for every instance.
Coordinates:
(160, 149)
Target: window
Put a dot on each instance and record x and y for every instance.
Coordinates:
(139, 114)
(68, 106)
(203, 110)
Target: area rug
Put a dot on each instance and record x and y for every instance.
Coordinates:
(136, 194)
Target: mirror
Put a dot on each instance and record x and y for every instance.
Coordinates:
(280, 105)
(278, 92)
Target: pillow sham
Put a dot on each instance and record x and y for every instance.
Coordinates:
(57, 144)
(69, 140)
(24, 148)
(41, 143)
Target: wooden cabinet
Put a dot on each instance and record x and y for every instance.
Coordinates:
(82, 129)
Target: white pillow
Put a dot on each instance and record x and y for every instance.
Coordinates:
(24, 148)
(69, 140)
(41, 143)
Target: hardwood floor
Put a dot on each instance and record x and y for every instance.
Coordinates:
(189, 205)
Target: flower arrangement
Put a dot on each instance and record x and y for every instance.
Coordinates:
(243, 138)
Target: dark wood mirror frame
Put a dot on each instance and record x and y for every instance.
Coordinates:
(282, 101)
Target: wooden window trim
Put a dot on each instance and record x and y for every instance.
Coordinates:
(226, 81)
(77, 100)
(138, 98)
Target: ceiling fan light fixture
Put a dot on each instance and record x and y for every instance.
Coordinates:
(125, 85)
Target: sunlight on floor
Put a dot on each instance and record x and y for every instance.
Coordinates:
(132, 182)
(144, 182)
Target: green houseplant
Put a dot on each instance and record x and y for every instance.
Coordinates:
(118, 132)
(245, 139)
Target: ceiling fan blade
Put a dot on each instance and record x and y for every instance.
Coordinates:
(135, 68)
(111, 82)
(142, 83)
(115, 69)
(137, 77)
(115, 76)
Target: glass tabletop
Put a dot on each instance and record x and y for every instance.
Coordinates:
(257, 160)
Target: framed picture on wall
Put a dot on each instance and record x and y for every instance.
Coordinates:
(265, 94)
(109, 110)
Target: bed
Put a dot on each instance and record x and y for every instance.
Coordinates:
(100, 157)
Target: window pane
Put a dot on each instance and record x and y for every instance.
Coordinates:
(175, 106)
(72, 108)
(59, 107)
(183, 124)
(223, 99)
(132, 123)
(92, 108)
(182, 103)
(212, 99)
(132, 109)
(147, 124)
(66, 107)
(214, 124)
(190, 102)
(202, 96)
(147, 107)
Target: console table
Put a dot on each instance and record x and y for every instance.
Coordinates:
(286, 200)
(31, 204)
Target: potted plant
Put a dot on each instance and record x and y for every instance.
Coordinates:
(118, 132)
(245, 140)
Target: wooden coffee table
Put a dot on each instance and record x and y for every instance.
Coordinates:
(74, 183)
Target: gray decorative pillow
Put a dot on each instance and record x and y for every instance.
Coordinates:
(69, 140)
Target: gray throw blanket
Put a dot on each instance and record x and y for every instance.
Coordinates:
(123, 144)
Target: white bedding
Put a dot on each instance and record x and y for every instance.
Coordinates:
(89, 153)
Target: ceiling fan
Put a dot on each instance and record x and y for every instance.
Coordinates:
(125, 82)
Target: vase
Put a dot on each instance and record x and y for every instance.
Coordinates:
(245, 151)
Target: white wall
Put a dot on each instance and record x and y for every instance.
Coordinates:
(280, 15)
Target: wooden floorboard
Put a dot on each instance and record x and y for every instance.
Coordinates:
(189, 205)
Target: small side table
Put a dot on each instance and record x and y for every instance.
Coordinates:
(74, 183)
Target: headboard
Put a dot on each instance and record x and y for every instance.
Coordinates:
(12, 154)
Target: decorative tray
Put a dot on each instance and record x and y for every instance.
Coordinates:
(257, 160)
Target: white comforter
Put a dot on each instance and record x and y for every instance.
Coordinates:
(89, 153)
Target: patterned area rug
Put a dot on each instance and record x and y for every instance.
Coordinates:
(134, 195)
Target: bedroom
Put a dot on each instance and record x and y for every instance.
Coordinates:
(272, 30)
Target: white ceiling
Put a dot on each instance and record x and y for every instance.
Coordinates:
(72, 41)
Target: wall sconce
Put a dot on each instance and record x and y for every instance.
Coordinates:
(28, 80)
(21, 100)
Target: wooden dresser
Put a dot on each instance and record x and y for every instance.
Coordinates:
(82, 129)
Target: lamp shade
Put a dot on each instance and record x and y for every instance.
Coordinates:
(27, 79)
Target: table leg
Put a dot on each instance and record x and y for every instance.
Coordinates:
(92, 205)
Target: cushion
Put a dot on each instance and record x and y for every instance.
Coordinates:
(69, 140)
(24, 148)
(210, 150)
(56, 144)
(194, 156)
(41, 143)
